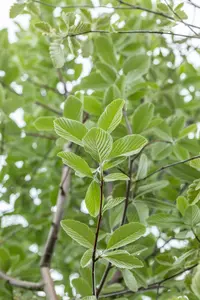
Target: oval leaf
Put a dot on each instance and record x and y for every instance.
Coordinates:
(125, 235)
(116, 177)
(71, 130)
(142, 117)
(98, 143)
(128, 145)
(112, 115)
(92, 198)
(77, 163)
(79, 232)
(122, 259)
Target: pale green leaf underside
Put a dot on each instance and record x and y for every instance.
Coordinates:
(128, 145)
(112, 202)
(79, 232)
(125, 235)
(75, 162)
(122, 259)
(130, 280)
(70, 130)
(44, 123)
(92, 198)
(98, 143)
(112, 115)
(57, 54)
(86, 258)
(116, 177)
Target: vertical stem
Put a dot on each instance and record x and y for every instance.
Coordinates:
(96, 238)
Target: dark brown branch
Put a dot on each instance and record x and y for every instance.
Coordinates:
(197, 238)
(94, 291)
(103, 279)
(21, 283)
(47, 107)
(40, 135)
(166, 167)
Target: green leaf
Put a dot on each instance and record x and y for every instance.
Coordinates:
(111, 94)
(142, 117)
(193, 192)
(142, 167)
(79, 232)
(106, 71)
(181, 204)
(125, 235)
(77, 163)
(105, 50)
(128, 145)
(82, 287)
(113, 162)
(73, 108)
(192, 215)
(122, 259)
(98, 143)
(195, 283)
(138, 65)
(187, 130)
(160, 151)
(70, 130)
(44, 27)
(112, 202)
(92, 105)
(16, 9)
(151, 187)
(5, 261)
(165, 221)
(92, 198)
(86, 258)
(57, 54)
(33, 8)
(89, 298)
(44, 123)
(130, 280)
(195, 163)
(116, 177)
(79, 29)
(177, 126)
(2, 94)
(112, 115)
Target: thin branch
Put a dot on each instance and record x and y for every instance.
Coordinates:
(127, 6)
(166, 167)
(161, 14)
(61, 78)
(9, 88)
(103, 279)
(40, 135)
(44, 86)
(139, 31)
(94, 291)
(21, 283)
(47, 107)
(177, 15)
(194, 4)
(197, 238)
(48, 284)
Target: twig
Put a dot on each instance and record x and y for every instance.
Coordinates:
(139, 31)
(48, 284)
(197, 238)
(44, 86)
(61, 78)
(48, 108)
(127, 7)
(94, 291)
(194, 4)
(40, 135)
(166, 167)
(21, 283)
(9, 88)
(103, 279)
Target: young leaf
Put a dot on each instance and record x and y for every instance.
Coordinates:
(79, 232)
(137, 65)
(80, 28)
(92, 105)
(73, 108)
(116, 177)
(165, 221)
(130, 280)
(44, 123)
(92, 198)
(113, 162)
(193, 192)
(128, 145)
(106, 71)
(71, 130)
(151, 187)
(57, 54)
(125, 235)
(82, 286)
(195, 283)
(122, 259)
(112, 115)
(16, 9)
(105, 50)
(44, 27)
(77, 163)
(86, 258)
(142, 117)
(142, 167)
(160, 151)
(192, 215)
(181, 204)
(112, 202)
(98, 143)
